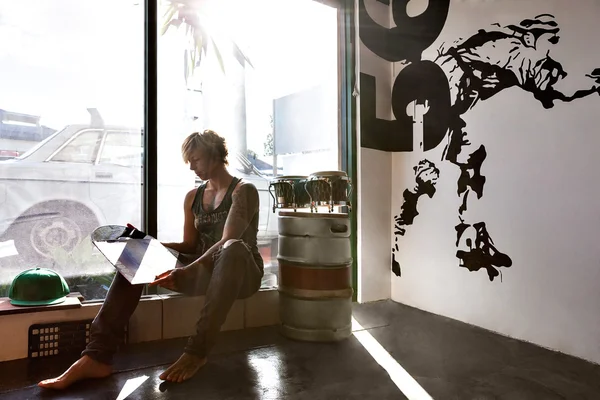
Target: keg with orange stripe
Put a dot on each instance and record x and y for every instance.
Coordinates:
(315, 276)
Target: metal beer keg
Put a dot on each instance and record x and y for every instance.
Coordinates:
(315, 288)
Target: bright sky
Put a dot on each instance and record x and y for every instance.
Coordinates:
(58, 57)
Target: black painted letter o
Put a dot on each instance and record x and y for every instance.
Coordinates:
(423, 80)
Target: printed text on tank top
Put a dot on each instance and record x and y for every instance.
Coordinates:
(210, 224)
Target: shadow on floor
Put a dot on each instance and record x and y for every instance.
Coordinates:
(448, 359)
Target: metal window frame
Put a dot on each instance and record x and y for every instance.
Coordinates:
(150, 181)
(348, 150)
(348, 142)
(150, 134)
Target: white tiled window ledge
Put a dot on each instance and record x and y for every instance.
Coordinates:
(156, 318)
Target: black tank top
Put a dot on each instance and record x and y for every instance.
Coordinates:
(210, 224)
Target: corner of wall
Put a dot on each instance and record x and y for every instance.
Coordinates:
(374, 212)
(374, 178)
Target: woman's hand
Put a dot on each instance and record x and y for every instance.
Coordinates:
(168, 279)
(172, 278)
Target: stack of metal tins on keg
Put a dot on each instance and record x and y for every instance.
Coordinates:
(315, 276)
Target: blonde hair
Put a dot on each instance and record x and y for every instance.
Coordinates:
(214, 145)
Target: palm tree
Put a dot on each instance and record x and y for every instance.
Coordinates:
(189, 14)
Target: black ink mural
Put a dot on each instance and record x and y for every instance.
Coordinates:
(479, 68)
(473, 70)
(481, 251)
(426, 176)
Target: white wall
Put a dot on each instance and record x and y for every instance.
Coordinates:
(373, 223)
(374, 181)
(540, 199)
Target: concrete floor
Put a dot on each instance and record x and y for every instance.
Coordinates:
(448, 359)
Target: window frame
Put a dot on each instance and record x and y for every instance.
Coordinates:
(348, 116)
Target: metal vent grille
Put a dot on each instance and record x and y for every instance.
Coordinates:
(59, 338)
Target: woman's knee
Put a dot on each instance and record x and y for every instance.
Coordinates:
(233, 249)
(231, 242)
(236, 248)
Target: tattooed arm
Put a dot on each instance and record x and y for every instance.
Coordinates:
(245, 205)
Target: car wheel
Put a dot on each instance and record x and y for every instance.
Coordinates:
(44, 229)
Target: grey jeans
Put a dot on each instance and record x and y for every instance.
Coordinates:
(236, 275)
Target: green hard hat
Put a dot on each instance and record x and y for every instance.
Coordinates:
(38, 287)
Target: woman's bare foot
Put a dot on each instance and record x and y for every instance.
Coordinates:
(184, 368)
(84, 368)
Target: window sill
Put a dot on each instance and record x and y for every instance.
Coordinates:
(72, 301)
(157, 317)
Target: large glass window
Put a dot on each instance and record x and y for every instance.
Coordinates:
(72, 115)
(71, 119)
(262, 73)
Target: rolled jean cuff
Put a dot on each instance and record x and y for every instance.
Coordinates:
(98, 355)
(195, 347)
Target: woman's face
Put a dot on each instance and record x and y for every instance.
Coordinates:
(202, 164)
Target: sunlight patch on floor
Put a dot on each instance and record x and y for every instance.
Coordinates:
(131, 386)
(401, 378)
